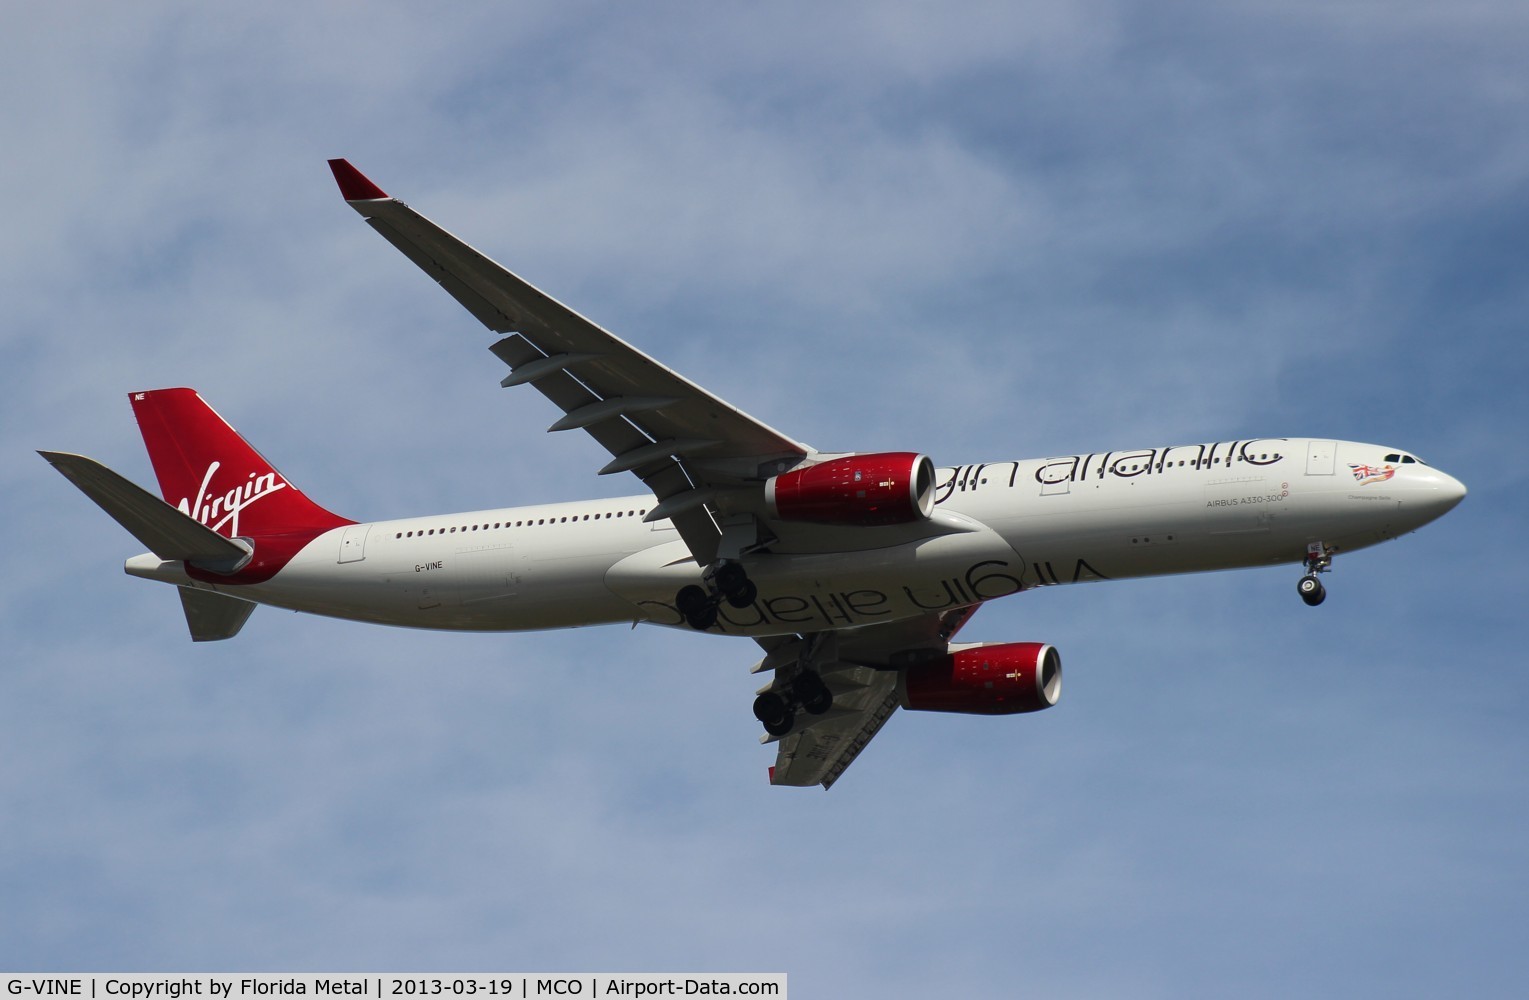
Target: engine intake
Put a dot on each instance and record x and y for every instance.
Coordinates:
(988, 679)
(862, 490)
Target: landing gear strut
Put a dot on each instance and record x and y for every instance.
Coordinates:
(1319, 559)
(727, 582)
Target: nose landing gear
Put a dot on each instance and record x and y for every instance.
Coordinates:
(1319, 559)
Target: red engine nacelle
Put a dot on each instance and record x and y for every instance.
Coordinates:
(891, 488)
(994, 679)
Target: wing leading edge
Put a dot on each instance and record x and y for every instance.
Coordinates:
(684, 443)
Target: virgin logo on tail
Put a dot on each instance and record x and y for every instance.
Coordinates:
(208, 508)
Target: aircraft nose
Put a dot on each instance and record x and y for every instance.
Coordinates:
(1452, 490)
(1445, 493)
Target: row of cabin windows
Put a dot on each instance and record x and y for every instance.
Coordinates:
(515, 524)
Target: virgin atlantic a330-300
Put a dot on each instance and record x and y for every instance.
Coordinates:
(852, 571)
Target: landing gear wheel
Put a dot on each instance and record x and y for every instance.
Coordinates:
(1312, 591)
(813, 693)
(774, 713)
(744, 595)
(730, 576)
(697, 607)
(782, 727)
(819, 702)
(691, 599)
(734, 585)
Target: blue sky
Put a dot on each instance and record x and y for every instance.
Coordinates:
(997, 231)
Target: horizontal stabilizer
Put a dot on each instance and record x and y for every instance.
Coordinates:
(212, 616)
(166, 532)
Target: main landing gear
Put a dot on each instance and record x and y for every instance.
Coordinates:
(776, 711)
(727, 582)
(1319, 559)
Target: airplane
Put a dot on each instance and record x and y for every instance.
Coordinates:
(853, 572)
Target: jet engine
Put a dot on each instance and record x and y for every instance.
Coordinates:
(984, 679)
(861, 490)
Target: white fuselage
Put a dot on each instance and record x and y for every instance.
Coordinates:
(1004, 527)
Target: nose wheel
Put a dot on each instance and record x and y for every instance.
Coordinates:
(1319, 559)
(1312, 591)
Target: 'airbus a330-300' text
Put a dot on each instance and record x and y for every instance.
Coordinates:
(852, 571)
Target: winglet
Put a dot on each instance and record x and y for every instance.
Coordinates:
(354, 185)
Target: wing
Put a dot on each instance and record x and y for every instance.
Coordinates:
(679, 439)
(859, 667)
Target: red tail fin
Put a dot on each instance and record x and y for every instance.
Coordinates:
(212, 474)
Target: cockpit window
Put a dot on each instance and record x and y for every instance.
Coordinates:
(1404, 459)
